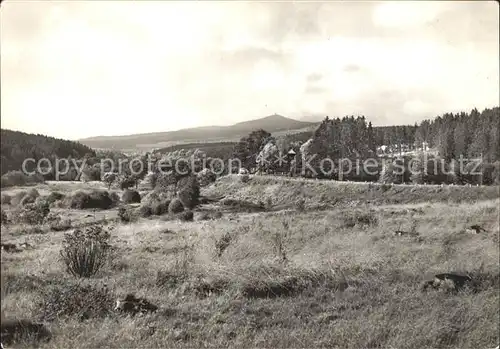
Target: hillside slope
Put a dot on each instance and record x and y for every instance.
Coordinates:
(17, 146)
(273, 123)
(284, 192)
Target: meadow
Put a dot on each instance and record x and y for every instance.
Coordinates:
(286, 263)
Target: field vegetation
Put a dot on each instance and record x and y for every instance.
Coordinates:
(271, 262)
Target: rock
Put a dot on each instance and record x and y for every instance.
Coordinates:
(132, 305)
(457, 280)
(16, 330)
(475, 229)
(8, 247)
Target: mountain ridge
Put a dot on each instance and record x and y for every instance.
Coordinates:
(271, 123)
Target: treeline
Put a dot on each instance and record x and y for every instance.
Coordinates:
(463, 134)
(17, 146)
(220, 150)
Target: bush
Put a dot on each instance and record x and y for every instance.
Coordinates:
(29, 198)
(34, 213)
(95, 199)
(206, 177)
(145, 211)
(126, 183)
(18, 178)
(210, 215)
(126, 215)
(222, 244)
(131, 196)
(160, 208)
(85, 252)
(6, 199)
(54, 196)
(189, 192)
(245, 177)
(175, 206)
(23, 197)
(186, 216)
(360, 218)
(4, 219)
(82, 301)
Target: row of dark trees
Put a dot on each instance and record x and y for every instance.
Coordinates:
(470, 135)
(16, 146)
(465, 136)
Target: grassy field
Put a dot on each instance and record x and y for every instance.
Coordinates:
(325, 273)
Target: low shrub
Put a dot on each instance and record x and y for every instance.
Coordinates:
(56, 223)
(160, 208)
(206, 177)
(145, 211)
(54, 196)
(245, 177)
(189, 192)
(210, 215)
(85, 252)
(96, 199)
(222, 244)
(175, 206)
(360, 218)
(76, 300)
(33, 213)
(186, 216)
(4, 219)
(18, 178)
(6, 199)
(23, 197)
(126, 215)
(131, 196)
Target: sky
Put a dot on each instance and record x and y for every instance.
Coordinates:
(77, 69)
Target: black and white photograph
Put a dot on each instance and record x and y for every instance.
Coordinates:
(250, 174)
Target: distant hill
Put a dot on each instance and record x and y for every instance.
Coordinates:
(17, 146)
(148, 141)
(219, 150)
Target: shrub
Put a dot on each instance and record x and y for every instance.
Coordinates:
(160, 208)
(95, 199)
(18, 178)
(189, 192)
(82, 301)
(17, 197)
(34, 213)
(4, 219)
(54, 196)
(360, 218)
(210, 215)
(245, 177)
(127, 182)
(175, 206)
(206, 177)
(23, 198)
(300, 205)
(145, 211)
(222, 244)
(186, 216)
(131, 196)
(109, 178)
(85, 252)
(6, 199)
(114, 197)
(56, 223)
(126, 215)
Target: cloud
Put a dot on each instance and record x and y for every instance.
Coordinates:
(77, 69)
